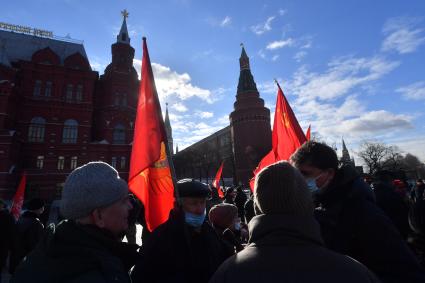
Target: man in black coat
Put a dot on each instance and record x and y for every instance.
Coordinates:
(391, 202)
(350, 221)
(28, 232)
(86, 247)
(240, 201)
(285, 243)
(185, 248)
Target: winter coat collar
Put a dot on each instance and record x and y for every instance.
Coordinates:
(72, 239)
(279, 229)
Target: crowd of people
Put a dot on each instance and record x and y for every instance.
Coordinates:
(307, 220)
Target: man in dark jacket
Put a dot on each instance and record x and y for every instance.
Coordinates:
(86, 247)
(185, 248)
(391, 202)
(28, 232)
(249, 209)
(285, 243)
(240, 201)
(350, 221)
(7, 225)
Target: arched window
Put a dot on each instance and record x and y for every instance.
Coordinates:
(36, 129)
(48, 89)
(117, 99)
(119, 134)
(79, 93)
(37, 88)
(124, 99)
(70, 131)
(69, 90)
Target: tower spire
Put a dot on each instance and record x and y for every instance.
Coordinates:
(246, 80)
(168, 129)
(123, 37)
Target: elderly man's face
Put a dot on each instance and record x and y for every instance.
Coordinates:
(115, 216)
(194, 205)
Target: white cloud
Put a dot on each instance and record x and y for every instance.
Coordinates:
(343, 75)
(262, 54)
(98, 64)
(331, 100)
(180, 107)
(402, 35)
(204, 114)
(282, 12)
(374, 122)
(279, 44)
(300, 55)
(171, 83)
(268, 87)
(275, 57)
(263, 27)
(226, 21)
(415, 91)
(412, 144)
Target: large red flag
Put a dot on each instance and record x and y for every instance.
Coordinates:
(216, 182)
(287, 135)
(150, 175)
(18, 198)
(308, 134)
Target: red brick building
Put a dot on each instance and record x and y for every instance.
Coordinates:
(56, 113)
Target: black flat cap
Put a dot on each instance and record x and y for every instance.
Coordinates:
(192, 188)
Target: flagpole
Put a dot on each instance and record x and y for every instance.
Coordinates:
(277, 83)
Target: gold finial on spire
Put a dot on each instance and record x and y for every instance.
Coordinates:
(125, 14)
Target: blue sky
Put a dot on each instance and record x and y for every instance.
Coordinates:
(352, 69)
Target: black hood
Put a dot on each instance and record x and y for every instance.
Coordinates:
(280, 229)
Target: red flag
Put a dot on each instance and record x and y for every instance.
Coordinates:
(308, 134)
(18, 198)
(287, 135)
(150, 175)
(216, 182)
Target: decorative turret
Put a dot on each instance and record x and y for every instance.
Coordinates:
(122, 52)
(249, 122)
(123, 37)
(168, 129)
(246, 80)
(345, 158)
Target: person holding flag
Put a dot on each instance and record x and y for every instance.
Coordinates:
(183, 247)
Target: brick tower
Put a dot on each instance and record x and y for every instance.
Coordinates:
(249, 123)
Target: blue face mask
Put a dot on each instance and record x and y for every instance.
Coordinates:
(195, 220)
(311, 184)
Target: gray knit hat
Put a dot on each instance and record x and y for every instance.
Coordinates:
(281, 189)
(93, 185)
